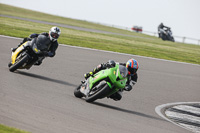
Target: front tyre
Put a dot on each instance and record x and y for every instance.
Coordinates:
(172, 39)
(97, 93)
(77, 92)
(19, 63)
(9, 64)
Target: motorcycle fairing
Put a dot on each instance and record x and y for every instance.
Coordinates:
(17, 51)
(112, 74)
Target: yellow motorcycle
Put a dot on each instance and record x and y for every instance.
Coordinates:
(28, 54)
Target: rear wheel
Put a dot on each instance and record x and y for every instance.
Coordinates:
(77, 92)
(19, 63)
(99, 92)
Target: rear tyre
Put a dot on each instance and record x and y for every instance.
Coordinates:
(77, 92)
(97, 93)
(19, 63)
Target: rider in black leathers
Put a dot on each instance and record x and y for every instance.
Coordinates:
(50, 40)
(132, 66)
(161, 26)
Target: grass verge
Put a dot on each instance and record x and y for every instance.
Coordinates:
(6, 129)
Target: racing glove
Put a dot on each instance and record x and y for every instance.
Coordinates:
(33, 35)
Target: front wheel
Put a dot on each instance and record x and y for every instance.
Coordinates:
(172, 39)
(98, 92)
(77, 92)
(19, 63)
(9, 64)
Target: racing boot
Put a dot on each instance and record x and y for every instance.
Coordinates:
(39, 61)
(87, 75)
(13, 49)
(116, 96)
(24, 40)
(97, 69)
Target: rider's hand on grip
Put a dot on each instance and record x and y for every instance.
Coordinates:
(33, 35)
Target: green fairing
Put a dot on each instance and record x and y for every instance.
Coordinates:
(112, 74)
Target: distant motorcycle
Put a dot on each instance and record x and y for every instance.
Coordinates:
(103, 84)
(28, 54)
(166, 34)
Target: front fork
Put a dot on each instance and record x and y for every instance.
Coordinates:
(84, 88)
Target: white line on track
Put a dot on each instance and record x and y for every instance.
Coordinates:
(161, 111)
(65, 45)
(189, 108)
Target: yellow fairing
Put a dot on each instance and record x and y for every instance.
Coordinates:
(17, 51)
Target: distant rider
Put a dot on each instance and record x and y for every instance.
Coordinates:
(51, 39)
(160, 27)
(132, 66)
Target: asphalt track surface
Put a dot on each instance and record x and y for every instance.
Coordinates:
(41, 100)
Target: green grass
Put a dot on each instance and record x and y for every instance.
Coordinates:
(24, 13)
(6, 129)
(148, 46)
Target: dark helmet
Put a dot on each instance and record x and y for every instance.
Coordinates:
(132, 66)
(54, 33)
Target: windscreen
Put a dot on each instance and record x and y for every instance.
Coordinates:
(123, 71)
(42, 43)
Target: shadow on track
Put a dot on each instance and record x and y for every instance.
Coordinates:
(45, 78)
(126, 111)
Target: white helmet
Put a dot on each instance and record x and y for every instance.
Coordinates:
(54, 33)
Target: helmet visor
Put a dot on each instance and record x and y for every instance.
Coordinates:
(54, 35)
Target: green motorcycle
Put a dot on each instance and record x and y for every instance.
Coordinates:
(103, 84)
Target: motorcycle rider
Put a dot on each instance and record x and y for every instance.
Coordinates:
(160, 27)
(132, 65)
(53, 35)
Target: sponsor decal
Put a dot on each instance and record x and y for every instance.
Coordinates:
(114, 72)
(36, 50)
